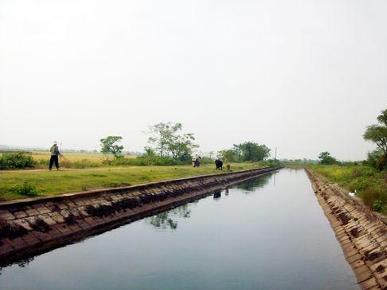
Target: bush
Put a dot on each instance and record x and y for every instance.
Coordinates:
(144, 160)
(374, 192)
(25, 189)
(158, 160)
(377, 159)
(378, 205)
(16, 160)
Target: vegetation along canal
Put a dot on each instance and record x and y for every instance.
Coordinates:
(266, 233)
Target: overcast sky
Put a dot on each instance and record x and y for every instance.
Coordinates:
(303, 75)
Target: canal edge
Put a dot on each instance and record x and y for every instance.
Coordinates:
(360, 232)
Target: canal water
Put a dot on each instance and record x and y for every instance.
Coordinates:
(268, 233)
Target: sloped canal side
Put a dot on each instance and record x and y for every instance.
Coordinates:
(361, 232)
(265, 233)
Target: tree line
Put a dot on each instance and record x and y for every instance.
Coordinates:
(168, 142)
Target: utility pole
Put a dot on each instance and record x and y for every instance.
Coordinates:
(275, 154)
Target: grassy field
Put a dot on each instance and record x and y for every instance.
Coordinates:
(72, 180)
(71, 156)
(72, 159)
(370, 184)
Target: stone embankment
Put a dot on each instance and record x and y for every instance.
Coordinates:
(32, 226)
(361, 232)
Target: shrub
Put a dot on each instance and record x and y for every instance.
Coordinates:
(144, 160)
(376, 159)
(25, 189)
(157, 160)
(373, 194)
(16, 160)
(378, 205)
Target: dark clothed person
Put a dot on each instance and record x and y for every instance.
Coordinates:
(54, 150)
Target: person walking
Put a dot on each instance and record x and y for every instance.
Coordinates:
(54, 150)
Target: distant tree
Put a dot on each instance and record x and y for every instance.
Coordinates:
(247, 151)
(326, 158)
(149, 151)
(167, 140)
(377, 133)
(229, 155)
(109, 146)
(250, 151)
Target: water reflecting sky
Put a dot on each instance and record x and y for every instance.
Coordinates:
(264, 234)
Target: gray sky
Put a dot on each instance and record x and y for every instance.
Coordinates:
(305, 76)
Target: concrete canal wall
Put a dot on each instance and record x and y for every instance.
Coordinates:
(361, 232)
(31, 226)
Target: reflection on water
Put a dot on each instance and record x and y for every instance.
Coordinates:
(21, 263)
(275, 237)
(252, 184)
(217, 194)
(168, 219)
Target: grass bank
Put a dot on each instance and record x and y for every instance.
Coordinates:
(17, 184)
(370, 184)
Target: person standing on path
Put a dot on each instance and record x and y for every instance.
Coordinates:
(54, 150)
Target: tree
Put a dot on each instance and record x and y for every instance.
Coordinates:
(108, 145)
(247, 151)
(326, 158)
(168, 141)
(377, 133)
(229, 155)
(250, 151)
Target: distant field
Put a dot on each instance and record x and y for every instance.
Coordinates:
(75, 156)
(72, 180)
(72, 159)
(96, 157)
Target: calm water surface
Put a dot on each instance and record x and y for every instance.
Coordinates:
(269, 233)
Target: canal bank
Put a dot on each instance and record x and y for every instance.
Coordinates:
(361, 232)
(33, 226)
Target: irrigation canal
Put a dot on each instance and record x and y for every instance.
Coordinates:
(266, 233)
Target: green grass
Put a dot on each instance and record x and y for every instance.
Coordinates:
(71, 180)
(370, 184)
